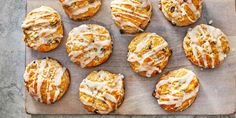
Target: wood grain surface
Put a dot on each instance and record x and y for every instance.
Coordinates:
(218, 86)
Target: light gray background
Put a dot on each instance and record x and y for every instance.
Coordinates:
(12, 58)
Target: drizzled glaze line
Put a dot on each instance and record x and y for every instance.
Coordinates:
(40, 78)
(70, 2)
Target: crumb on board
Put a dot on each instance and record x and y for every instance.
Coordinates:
(210, 22)
(233, 49)
(189, 29)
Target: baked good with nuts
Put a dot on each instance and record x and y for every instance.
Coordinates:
(206, 46)
(89, 45)
(181, 12)
(176, 90)
(148, 54)
(81, 9)
(102, 91)
(131, 16)
(46, 80)
(42, 29)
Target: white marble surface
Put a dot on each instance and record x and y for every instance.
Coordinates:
(12, 63)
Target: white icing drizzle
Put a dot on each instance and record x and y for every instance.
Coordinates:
(180, 11)
(148, 67)
(84, 9)
(198, 33)
(127, 23)
(102, 90)
(183, 83)
(97, 45)
(42, 74)
(216, 35)
(70, 2)
(129, 12)
(40, 27)
(57, 92)
(40, 78)
(26, 76)
(59, 75)
(143, 44)
(48, 93)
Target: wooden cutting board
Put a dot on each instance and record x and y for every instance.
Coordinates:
(218, 86)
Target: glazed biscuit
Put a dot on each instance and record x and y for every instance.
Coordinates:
(206, 46)
(131, 16)
(81, 9)
(46, 80)
(176, 90)
(148, 54)
(89, 45)
(42, 29)
(181, 12)
(102, 91)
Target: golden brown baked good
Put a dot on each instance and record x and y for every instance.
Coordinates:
(131, 16)
(81, 9)
(181, 12)
(206, 46)
(46, 80)
(89, 45)
(42, 29)
(102, 91)
(176, 90)
(148, 54)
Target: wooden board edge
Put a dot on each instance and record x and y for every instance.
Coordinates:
(27, 111)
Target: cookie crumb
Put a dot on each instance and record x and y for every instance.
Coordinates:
(189, 29)
(233, 49)
(210, 22)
